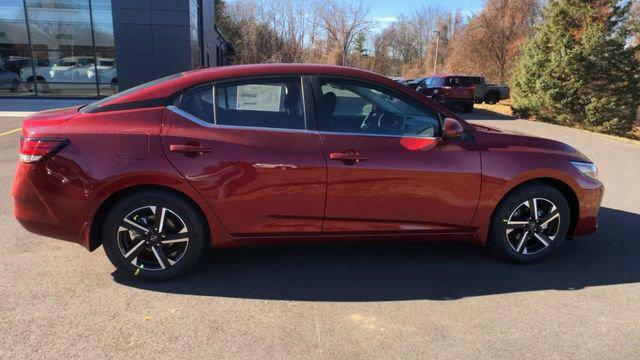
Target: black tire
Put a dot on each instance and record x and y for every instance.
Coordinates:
(179, 214)
(506, 236)
(492, 98)
(468, 108)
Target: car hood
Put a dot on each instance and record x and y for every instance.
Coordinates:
(493, 139)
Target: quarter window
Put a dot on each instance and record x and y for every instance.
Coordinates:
(199, 102)
(356, 108)
(268, 103)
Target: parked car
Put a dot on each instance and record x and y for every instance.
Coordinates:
(489, 93)
(69, 69)
(107, 72)
(9, 80)
(249, 155)
(416, 82)
(455, 91)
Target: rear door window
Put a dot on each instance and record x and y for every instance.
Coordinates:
(260, 103)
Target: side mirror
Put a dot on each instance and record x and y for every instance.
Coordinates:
(451, 129)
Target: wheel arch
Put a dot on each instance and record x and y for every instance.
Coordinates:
(564, 188)
(95, 239)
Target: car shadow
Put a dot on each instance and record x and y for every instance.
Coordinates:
(410, 272)
(485, 114)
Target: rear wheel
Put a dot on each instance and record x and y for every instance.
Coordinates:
(529, 223)
(492, 98)
(153, 235)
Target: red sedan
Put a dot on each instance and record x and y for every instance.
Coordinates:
(249, 155)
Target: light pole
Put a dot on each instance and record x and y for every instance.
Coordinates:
(435, 61)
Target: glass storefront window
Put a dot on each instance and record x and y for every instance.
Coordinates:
(64, 47)
(14, 48)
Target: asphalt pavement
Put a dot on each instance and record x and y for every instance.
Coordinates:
(365, 302)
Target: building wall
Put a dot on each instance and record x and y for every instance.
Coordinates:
(155, 38)
(94, 48)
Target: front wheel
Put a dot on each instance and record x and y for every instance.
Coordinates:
(153, 235)
(529, 223)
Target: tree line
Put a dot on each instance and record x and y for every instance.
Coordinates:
(573, 62)
(343, 32)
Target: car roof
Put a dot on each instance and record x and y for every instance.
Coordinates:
(194, 77)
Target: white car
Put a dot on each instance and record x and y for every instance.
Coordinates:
(72, 69)
(107, 73)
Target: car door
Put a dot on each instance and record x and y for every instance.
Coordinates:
(389, 172)
(250, 154)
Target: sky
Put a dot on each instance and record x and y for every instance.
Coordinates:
(386, 11)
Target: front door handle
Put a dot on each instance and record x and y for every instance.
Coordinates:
(349, 157)
(189, 149)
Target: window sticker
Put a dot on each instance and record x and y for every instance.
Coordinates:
(259, 97)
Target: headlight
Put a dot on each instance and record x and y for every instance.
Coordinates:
(587, 169)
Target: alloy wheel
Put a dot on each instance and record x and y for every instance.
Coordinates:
(533, 226)
(153, 238)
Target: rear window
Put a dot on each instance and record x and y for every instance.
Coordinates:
(457, 81)
(97, 104)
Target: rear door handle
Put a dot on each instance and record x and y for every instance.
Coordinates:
(189, 149)
(348, 157)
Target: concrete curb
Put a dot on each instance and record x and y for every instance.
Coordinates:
(16, 113)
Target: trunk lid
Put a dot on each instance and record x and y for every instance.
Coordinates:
(40, 124)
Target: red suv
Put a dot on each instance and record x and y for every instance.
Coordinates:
(454, 91)
(250, 155)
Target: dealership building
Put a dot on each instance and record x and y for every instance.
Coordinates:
(93, 48)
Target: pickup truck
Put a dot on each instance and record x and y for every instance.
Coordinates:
(488, 93)
(453, 91)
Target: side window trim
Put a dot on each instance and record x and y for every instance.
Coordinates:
(306, 94)
(190, 116)
(322, 125)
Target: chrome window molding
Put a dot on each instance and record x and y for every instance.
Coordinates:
(377, 135)
(201, 122)
(189, 116)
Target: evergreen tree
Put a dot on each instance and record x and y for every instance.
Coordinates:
(359, 45)
(580, 68)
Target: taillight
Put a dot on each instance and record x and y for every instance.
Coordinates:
(35, 149)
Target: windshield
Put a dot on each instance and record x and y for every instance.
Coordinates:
(95, 105)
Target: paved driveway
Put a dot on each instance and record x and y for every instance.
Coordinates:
(58, 301)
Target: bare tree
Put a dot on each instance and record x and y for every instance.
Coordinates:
(342, 21)
(408, 45)
(493, 39)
